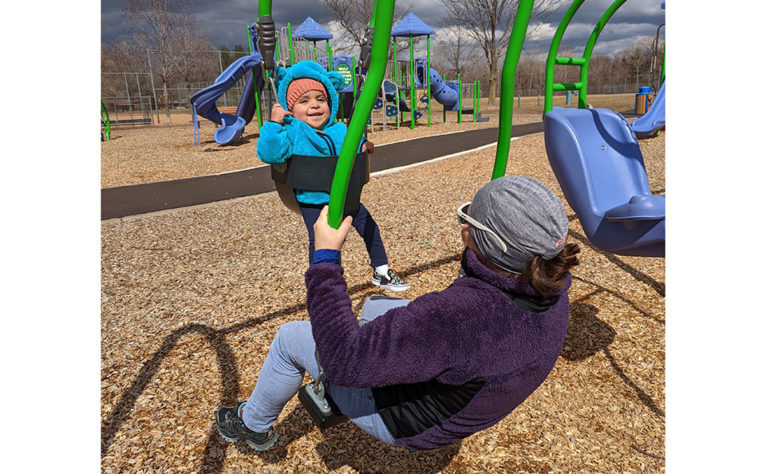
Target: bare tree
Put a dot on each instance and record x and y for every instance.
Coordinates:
(166, 28)
(454, 47)
(353, 16)
(490, 22)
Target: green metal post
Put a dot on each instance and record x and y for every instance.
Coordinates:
(551, 61)
(379, 56)
(399, 115)
(427, 74)
(353, 73)
(105, 121)
(290, 43)
(459, 100)
(413, 93)
(581, 102)
(474, 101)
(478, 92)
(520, 24)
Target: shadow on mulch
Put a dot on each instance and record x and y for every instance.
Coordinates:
(586, 335)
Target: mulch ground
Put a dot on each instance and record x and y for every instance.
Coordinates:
(191, 299)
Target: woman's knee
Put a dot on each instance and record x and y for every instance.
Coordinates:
(294, 344)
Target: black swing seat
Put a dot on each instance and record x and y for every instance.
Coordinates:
(320, 406)
(315, 173)
(315, 399)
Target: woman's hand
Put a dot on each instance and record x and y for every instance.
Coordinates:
(368, 146)
(325, 237)
(278, 114)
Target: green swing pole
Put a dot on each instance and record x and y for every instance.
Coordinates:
(520, 23)
(384, 12)
(413, 94)
(551, 62)
(581, 102)
(427, 74)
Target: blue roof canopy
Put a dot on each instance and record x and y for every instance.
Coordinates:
(312, 31)
(411, 25)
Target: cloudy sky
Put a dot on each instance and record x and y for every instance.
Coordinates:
(224, 21)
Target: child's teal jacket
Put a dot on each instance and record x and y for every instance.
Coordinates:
(278, 142)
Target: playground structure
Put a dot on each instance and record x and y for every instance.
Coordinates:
(408, 85)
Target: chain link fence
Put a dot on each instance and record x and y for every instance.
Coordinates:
(139, 98)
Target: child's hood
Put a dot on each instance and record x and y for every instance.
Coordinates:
(331, 80)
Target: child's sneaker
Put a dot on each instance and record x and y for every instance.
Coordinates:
(233, 429)
(391, 282)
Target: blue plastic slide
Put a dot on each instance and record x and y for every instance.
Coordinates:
(654, 118)
(204, 100)
(444, 93)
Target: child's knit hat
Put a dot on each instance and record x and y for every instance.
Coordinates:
(298, 87)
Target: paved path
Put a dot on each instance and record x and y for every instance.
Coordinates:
(124, 201)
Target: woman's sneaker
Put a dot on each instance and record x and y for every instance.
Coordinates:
(392, 281)
(233, 429)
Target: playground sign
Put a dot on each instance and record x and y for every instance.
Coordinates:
(345, 71)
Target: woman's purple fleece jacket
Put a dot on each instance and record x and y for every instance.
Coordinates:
(471, 329)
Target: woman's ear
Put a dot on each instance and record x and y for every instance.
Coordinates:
(465, 233)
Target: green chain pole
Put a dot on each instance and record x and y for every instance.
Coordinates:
(255, 89)
(384, 12)
(520, 23)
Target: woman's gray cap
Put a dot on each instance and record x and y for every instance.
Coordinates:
(525, 214)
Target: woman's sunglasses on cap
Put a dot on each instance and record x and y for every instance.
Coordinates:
(463, 218)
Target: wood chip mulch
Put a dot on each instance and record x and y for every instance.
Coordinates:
(191, 299)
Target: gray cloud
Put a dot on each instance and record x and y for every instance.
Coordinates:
(224, 22)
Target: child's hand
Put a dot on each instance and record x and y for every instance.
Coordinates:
(325, 237)
(369, 147)
(278, 114)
